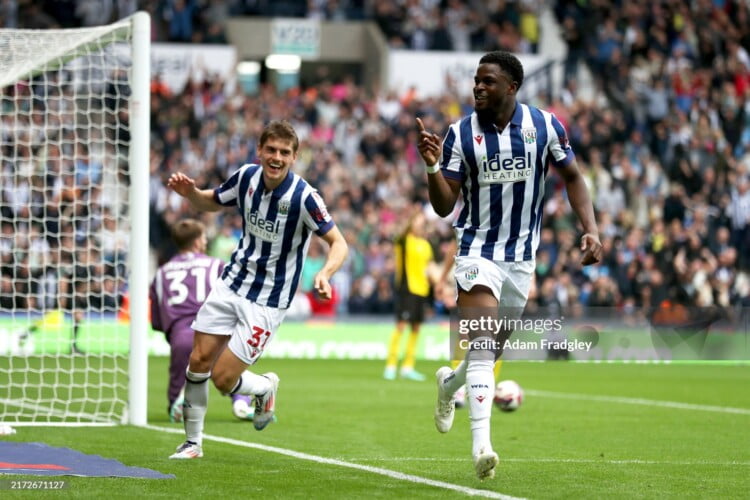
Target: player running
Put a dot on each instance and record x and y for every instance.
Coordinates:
(280, 210)
(498, 158)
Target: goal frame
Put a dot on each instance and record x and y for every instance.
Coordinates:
(139, 34)
(140, 117)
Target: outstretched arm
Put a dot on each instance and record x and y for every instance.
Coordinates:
(443, 192)
(580, 201)
(336, 256)
(200, 199)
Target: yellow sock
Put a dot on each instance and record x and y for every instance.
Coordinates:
(392, 359)
(455, 363)
(498, 367)
(411, 352)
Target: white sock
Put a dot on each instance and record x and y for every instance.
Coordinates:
(196, 404)
(457, 379)
(251, 384)
(480, 384)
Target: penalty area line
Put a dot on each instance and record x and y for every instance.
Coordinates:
(341, 463)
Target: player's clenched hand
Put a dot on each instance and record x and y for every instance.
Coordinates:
(322, 286)
(428, 145)
(591, 248)
(181, 183)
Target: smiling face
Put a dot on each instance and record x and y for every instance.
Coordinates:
(276, 157)
(494, 90)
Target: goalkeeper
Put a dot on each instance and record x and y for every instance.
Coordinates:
(177, 292)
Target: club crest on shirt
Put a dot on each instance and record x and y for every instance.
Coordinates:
(472, 273)
(529, 135)
(284, 207)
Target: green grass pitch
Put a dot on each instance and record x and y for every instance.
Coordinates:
(584, 431)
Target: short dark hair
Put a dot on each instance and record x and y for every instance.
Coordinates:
(280, 129)
(186, 231)
(507, 62)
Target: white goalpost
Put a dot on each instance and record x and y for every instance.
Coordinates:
(74, 201)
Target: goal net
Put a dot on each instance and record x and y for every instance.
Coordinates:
(74, 224)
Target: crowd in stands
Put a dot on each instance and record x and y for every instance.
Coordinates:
(668, 150)
(195, 21)
(460, 25)
(664, 146)
(416, 24)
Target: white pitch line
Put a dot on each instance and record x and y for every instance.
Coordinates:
(558, 460)
(634, 461)
(638, 401)
(341, 463)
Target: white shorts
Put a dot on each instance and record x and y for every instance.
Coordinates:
(509, 282)
(251, 326)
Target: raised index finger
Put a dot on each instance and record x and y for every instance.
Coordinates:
(421, 125)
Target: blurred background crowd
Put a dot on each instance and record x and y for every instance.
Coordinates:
(417, 24)
(662, 136)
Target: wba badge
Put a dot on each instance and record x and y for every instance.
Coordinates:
(283, 207)
(529, 135)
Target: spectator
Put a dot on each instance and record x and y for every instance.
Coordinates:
(179, 17)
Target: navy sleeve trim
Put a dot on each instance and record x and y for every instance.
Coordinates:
(569, 157)
(323, 230)
(453, 175)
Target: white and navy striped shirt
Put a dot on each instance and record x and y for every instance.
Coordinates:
(267, 263)
(502, 180)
